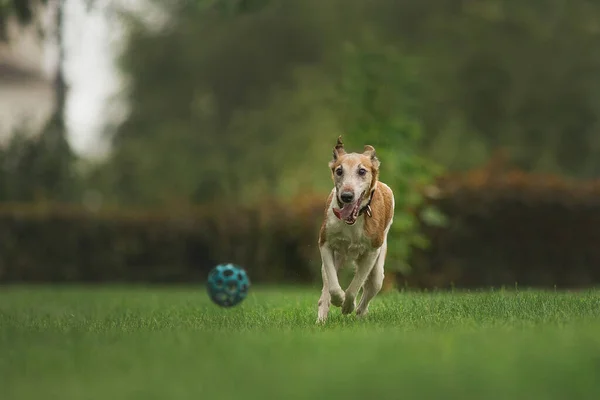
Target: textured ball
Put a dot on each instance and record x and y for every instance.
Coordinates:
(228, 285)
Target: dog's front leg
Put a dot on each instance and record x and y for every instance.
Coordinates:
(329, 266)
(364, 265)
(325, 299)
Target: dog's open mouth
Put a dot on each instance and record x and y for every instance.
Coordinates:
(349, 212)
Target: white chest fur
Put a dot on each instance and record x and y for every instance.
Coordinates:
(347, 239)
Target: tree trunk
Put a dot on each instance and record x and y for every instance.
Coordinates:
(54, 164)
(60, 87)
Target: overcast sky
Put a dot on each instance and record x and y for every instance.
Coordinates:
(92, 41)
(90, 49)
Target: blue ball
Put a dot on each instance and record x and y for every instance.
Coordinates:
(228, 285)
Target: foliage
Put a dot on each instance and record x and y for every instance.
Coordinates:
(509, 227)
(38, 168)
(142, 245)
(212, 124)
(522, 76)
(502, 228)
(489, 75)
(380, 93)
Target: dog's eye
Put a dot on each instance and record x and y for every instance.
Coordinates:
(362, 171)
(339, 172)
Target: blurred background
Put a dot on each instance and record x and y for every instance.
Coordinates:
(147, 141)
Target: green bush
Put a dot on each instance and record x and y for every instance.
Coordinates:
(41, 243)
(507, 227)
(501, 228)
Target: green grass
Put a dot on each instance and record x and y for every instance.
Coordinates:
(136, 343)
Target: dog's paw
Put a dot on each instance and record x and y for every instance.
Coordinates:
(337, 297)
(348, 305)
(362, 312)
(322, 315)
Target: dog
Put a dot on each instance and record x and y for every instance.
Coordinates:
(358, 215)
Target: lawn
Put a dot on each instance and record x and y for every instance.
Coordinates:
(172, 343)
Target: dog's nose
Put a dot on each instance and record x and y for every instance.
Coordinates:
(347, 197)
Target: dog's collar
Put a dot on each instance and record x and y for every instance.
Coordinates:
(365, 209)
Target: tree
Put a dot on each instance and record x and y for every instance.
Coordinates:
(22, 10)
(222, 107)
(51, 170)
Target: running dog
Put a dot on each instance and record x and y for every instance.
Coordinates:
(358, 217)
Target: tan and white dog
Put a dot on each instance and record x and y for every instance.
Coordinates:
(358, 216)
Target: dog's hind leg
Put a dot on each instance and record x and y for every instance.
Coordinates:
(373, 283)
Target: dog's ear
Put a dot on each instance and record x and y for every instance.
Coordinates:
(338, 151)
(370, 152)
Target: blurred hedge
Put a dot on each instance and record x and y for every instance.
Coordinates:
(507, 227)
(63, 243)
(503, 228)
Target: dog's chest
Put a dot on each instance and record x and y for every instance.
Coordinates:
(348, 239)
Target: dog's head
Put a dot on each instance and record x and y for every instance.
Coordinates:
(354, 176)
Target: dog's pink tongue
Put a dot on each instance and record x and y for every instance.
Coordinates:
(345, 211)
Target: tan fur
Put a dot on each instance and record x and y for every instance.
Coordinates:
(382, 214)
(323, 231)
